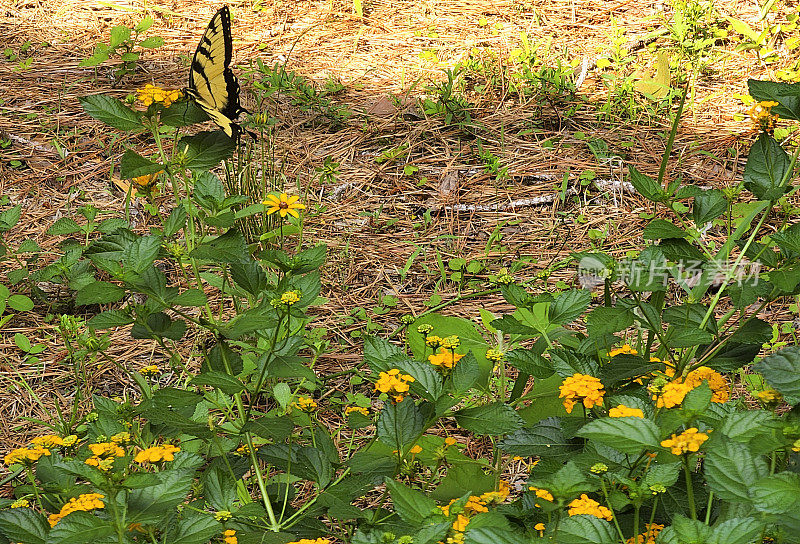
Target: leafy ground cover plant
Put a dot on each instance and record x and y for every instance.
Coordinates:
(601, 423)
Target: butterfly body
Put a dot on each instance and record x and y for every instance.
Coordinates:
(212, 84)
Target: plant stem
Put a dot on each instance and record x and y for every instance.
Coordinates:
(689, 489)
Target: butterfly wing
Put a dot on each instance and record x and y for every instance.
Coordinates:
(212, 84)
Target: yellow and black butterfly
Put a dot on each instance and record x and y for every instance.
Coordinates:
(212, 84)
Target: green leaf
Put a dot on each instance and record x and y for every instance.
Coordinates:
(527, 361)
(63, 226)
(400, 424)
(777, 494)
(23, 525)
(315, 461)
(604, 320)
(152, 42)
(99, 56)
(691, 531)
(569, 305)
(744, 426)
(206, 150)
(119, 34)
(175, 222)
(708, 206)
(110, 319)
(645, 185)
(785, 94)
(183, 114)
(133, 165)
(190, 297)
(141, 253)
(782, 372)
(80, 528)
(427, 382)
(510, 325)
(737, 531)
(492, 535)
(659, 229)
(112, 112)
(219, 380)
(466, 374)
(230, 247)
(545, 439)
(148, 505)
(411, 505)
(585, 529)
(196, 529)
(732, 470)
(10, 217)
(629, 435)
(20, 303)
(767, 165)
(99, 292)
(272, 428)
(463, 478)
(249, 276)
(496, 418)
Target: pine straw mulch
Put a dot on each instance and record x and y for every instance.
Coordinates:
(372, 218)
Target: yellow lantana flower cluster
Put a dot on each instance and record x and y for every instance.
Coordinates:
(673, 393)
(151, 94)
(48, 441)
(689, 440)
(356, 410)
(157, 454)
(39, 447)
(647, 537)
(624, 350)
(623, 411)
(25, 456)
(305, 404)
(20, 503)
(150, 370)
(84, 503)
(309, 541)
(445, 359)
(103, 455)
(543, 494)
(496, 497)
(585, 505)
(581, 388)
(762, 117)
(229, 536)
(394, 384)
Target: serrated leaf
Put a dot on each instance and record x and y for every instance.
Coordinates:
(585, 529)
(731, 470)
(629, 435)
(545, 439)
(411, 505)
(63, 226)
(400, 424)
(80, 528)
(569, 305)
(110, 319)
(496, 418)
(659, 229)
(112, 112)
(766, 169)
(23, 525)
(782, 372)
(206, 150)
(99, 292)
(777, 494)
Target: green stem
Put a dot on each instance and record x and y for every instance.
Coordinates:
(613, 514)
(689, 488)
